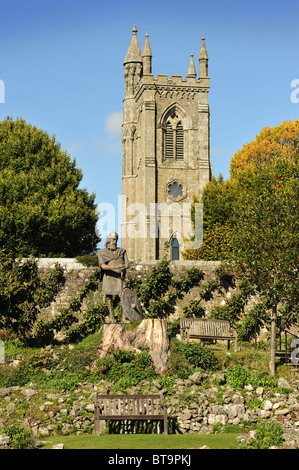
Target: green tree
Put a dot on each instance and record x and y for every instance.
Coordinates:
(23, 293)
(264, 249)
(42, 210)
(217, 198)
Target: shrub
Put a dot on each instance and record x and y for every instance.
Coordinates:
(88, 260)
(20, 437)
(67, 319)
(143, 360)
(168, 381)
(193, 310)
(157, 283)
(125, 367)
(255, 403)
(262, 380)
(160, 290)
(173, 327)
(238, 377)
(188, 356)
(252, 323)
(267, 434)
(231, 310)
(23, 293)
(94, 317)
(199, 356)
(226, 278)
(177, 362)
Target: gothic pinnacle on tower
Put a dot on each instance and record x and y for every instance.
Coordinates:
(147, 57)
(203, 60)
(191, 70)
(132, 65)
(134, 53)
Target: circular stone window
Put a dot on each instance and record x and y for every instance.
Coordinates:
(175, 191)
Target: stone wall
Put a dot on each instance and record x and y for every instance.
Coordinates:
(75, 277)
(193, 407)
(76, 274)
(179, 270)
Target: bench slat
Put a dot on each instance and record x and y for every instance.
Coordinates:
(134, 417)
(129, 407)
(208, 328)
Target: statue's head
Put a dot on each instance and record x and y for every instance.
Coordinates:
(111, 241)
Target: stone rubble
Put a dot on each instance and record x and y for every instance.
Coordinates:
(194, 403)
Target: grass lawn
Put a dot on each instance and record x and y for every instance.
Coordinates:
(144, 441)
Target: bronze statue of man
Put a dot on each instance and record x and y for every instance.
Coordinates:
(113, 262)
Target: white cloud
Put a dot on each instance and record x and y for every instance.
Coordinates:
(111, 146)
(74, 146)
(113, 124)
(110, 143)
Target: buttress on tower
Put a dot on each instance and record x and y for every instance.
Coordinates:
(166, 152)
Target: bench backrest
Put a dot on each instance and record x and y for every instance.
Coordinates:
(207, 327)
(129, 405)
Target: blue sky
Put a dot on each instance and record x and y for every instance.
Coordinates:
(61, 63)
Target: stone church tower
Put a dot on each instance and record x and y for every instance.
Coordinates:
(166, 152)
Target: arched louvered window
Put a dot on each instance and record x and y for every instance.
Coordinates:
(169, 141)
(179, 142)
(173, 139)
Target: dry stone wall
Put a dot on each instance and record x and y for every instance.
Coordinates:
(194, 405)
(76, 275)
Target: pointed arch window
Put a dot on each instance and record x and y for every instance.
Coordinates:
(134, 151)
(173, 138)
(175, 249)
(169, 142)
(179, 142)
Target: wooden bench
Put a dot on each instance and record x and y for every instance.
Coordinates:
(208, 328)
(129, 407)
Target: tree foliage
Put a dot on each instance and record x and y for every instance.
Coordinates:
(251, 221)
(23, 293)
(160, 290)
(220, 196)
(42, 210)
(280, 141)
(264, 249)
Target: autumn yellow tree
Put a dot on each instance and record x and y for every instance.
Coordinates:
(219, 196)
(272, 142)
